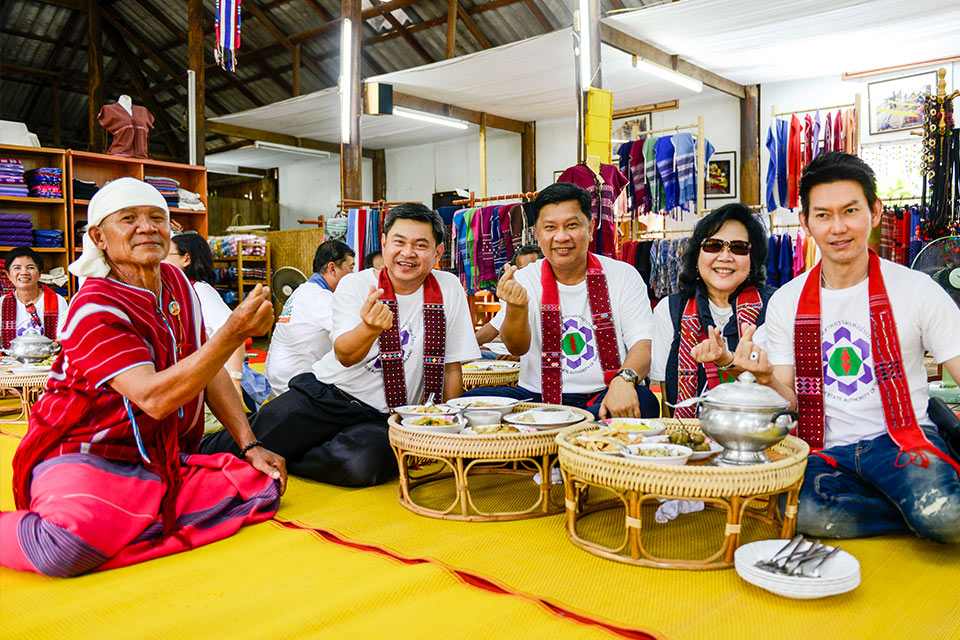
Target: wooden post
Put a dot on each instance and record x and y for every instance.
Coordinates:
(452, 6)
(528, 157)
(351, 169)
(701, 167)
(587, 27)
(750, 146)
(197, 64)
(483, 155)
(98, 137)
(296, 70)
(379, 175)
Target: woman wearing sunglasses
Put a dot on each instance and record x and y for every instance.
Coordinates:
(721, 287)
(29, 305)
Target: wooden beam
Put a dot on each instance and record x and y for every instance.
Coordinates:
(542, 19)
(296, 71)
(628, 44)
(195, 47)
(452, 6)
(409, 38)
(351, 165)
(249, 133)
(473, 28)
(280, 37)
(528, 157)
(98, 137)
(617, 5)
(629, 112)
(750, 146)
(379, 175)
(457, 113)
(54, 56)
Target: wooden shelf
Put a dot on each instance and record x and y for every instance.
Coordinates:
(40, 249)
(245, 259)
(29, 200)
(84, 203)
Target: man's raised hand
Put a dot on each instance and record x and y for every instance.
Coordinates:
(374, 313)
(509, 290)
(253, 316)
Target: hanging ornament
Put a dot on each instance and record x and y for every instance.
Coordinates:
(226, 26)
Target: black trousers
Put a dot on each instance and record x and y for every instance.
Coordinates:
(324, 433)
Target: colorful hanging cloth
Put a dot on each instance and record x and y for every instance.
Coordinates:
(226, 25)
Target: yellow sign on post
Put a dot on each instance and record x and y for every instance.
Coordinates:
(598, 128)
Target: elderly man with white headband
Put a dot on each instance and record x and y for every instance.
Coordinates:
(108, 474)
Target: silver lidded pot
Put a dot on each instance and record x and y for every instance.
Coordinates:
(32, 346)
(745, 418)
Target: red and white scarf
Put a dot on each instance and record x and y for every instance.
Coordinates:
(748, 305)
(551, 372)
(8, 316)
(434, 343)
(901, 421)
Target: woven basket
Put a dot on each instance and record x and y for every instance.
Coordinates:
(477, 477)
(732, 495)
(474, 379)
(27, 388)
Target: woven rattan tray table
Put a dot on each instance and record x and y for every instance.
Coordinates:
(742, 493)
(27, 388)
(490, 477)
(507, 377)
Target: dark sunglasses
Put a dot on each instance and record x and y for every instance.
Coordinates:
(715, 245)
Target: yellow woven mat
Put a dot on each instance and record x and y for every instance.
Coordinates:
(266, 581)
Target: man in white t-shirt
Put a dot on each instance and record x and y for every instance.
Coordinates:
(595, 351)
(332, 423)
(302, 333)
(845, 344)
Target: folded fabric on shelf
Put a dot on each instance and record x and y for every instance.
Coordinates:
(84, 189)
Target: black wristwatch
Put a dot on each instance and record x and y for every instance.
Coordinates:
(629, 375)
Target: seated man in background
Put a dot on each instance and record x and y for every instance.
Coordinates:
(373, 260)
(302, 333)
(399, 337)
(580, 323)
(845, 343)
(527, 254)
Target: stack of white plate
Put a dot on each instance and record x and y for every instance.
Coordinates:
(839, 574)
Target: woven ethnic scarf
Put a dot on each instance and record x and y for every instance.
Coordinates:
(748, 305)
(598, 296)
(434, 343)
(900, 419)
(8, 316)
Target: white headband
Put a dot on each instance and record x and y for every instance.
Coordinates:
(117, 195)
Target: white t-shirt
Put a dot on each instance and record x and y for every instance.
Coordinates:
(497, 320)
(25, 320)
(364, 380)
(663, 335)
(301, 336)
(215, 311)
(582, 372)
(926, 319)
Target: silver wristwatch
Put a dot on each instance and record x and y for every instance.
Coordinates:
(629, 375)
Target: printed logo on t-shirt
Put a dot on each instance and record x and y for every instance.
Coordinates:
(577, 344)
(286, 313)
(847, 362)
(405, 344)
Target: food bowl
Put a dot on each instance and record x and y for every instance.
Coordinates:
(450, 423)
(496, 429)
(484, 403)
(481, 417)
(701, 455)
(542, 418)
(643, 426)
(646, 452)
(420, 410)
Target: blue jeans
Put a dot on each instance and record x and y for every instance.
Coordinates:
(858, 491)
(649, 407)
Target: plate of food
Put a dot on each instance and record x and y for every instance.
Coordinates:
(550, 417)
(19, 369)
(659, 452)
(599, 441)
(644, 426)
(702, 446)
(485, 403)
(418, 410)
(435, 423)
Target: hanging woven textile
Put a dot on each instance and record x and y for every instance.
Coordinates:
(226, 26)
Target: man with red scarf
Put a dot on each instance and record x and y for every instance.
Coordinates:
(845, 344)
(581, 323)
(399, 336)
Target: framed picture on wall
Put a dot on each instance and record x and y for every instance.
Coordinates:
(722, 175)
(897, 104)
(631, 128)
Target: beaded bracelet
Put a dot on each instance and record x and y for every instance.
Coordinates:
(243, 451)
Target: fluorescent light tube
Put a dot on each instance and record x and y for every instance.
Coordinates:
(586, 68)
(286, 148)
(426, 117)
(668, 74)
(346, 60)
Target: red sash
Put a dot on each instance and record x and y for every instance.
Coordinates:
(901, 421)
(748, 305)
(434, 343)
(551, 371)
(8, 316)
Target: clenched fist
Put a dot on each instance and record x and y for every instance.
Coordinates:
(374, 313)
(509, 290)
(253, 316)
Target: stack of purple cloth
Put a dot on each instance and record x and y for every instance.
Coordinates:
(11, 178)
(167, 188)
(45, 182)
(16, 230)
